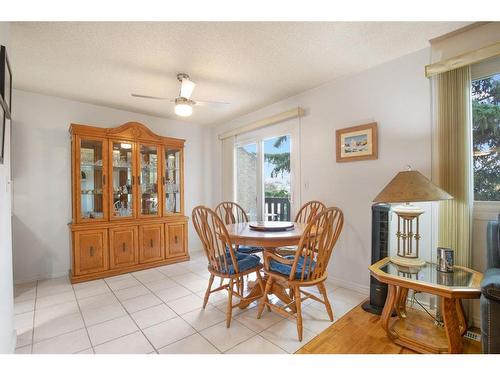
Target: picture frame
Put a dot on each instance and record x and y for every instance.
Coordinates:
(5, 82)
(2, 133)
(357, 143)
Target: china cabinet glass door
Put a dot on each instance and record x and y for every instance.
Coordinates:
(148, 180)
(92, 179)
(172, 181)
(122, 203)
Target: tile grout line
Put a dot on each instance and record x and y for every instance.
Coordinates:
(175, 312)
(34, 314)
(81, 315)
(130, 316)
(164, 303)
(233, 318)
(178, 315)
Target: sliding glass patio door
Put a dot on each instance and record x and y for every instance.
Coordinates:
(266, 178)
(247, 175)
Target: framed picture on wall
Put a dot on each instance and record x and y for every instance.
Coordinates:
(2, 133)
(357, 143)
(5, 82)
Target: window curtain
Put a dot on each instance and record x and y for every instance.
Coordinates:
(454, 161)
(227, 169)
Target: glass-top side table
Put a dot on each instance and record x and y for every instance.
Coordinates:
(460, 277)
(414, 330)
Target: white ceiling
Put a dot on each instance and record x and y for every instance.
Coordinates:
(247, 64)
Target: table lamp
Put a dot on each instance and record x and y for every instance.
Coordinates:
(409, 186)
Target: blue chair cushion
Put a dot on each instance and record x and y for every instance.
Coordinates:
(245, 262)
(249, 249)
(286, 269)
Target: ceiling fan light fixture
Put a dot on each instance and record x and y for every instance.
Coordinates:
(183, 109)
(187, 87)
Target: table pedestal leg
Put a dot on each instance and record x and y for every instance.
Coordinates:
(277, 289)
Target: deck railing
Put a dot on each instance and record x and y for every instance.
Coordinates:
(277, 209)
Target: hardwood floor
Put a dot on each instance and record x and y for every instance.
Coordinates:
(359, 332)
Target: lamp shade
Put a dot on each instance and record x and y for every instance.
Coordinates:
(411, 186)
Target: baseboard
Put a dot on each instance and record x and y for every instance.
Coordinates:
(40, 277)
(350, 285)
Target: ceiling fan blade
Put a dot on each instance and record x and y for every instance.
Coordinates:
(187, 87)
(206, 102)
(149, 97)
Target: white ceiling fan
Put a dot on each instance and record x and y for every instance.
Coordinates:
(183, 103)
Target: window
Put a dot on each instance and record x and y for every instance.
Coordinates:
(266, 177)
(486, 132)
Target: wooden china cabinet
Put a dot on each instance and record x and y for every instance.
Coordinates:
(128, 200)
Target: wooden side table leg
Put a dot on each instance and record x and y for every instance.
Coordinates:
(403, 295)
(461, 317)
(452, 325)
(396, 300)
(388, 308)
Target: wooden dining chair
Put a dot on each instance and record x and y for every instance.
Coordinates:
(306, 268)
(233, 213)
(223, 260)
(306, 213)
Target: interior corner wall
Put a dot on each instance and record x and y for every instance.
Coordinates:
(42, 176)
(7, 333)
(396, 95)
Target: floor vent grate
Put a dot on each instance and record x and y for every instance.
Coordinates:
(472, 336)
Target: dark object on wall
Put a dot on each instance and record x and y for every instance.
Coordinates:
(490, 291)
(2, 133)
(5, 82)
(380, 249)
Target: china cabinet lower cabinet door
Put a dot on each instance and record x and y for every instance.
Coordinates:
(151, 243)
(123, 247)
(176, 240)
(90, 251)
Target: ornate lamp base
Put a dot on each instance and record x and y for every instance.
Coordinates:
(407, 262)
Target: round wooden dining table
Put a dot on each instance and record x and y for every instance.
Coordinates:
(242, 235)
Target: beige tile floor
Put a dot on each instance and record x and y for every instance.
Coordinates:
(157, 311)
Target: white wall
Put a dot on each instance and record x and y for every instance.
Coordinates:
(397, 96)
(42, 179)
(7, 334)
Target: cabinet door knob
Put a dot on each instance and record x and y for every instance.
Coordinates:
(175, 239)
(151, 242)
(123, 246)
(91, 250)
